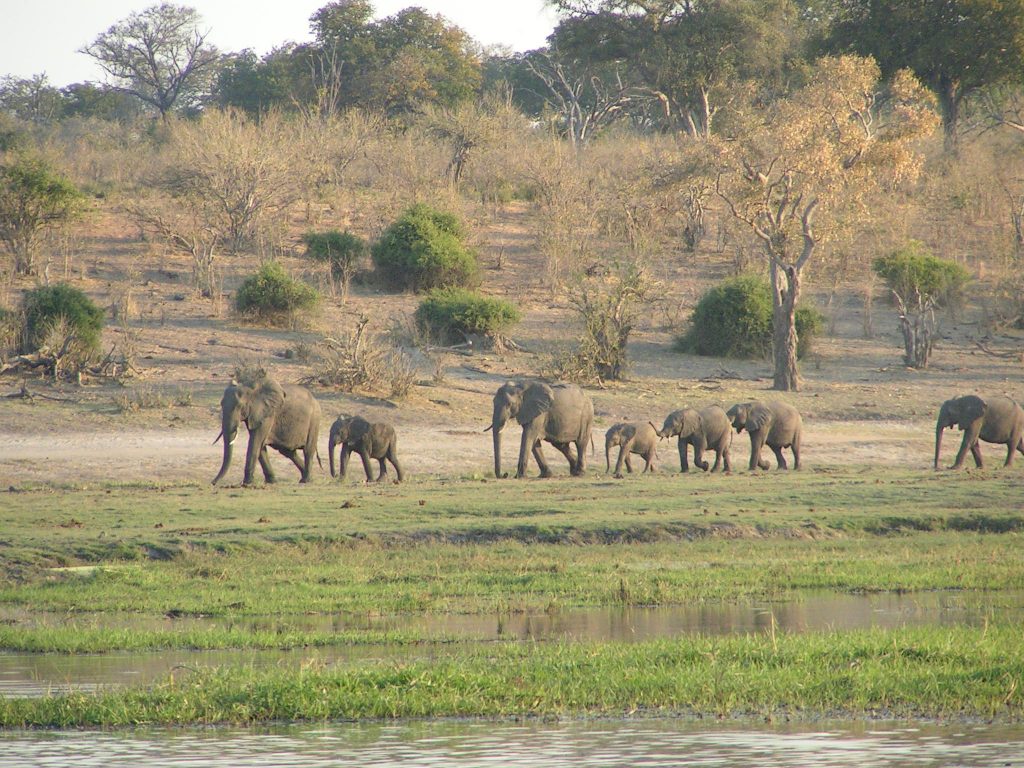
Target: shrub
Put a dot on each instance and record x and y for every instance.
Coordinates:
(450, 314)
(342, 251)
(66, 308)
(920, 283)
(424, 249)
(272, 294)
(734, 319)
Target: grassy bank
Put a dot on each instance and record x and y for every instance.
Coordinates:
(905, 673)
(469, 546)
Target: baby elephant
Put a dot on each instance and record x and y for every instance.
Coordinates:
(707, 428)
(374, 440)
(634, 437)
(776, 424)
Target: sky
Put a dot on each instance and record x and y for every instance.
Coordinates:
(44, 35)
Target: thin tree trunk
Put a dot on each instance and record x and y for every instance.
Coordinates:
(785, 294)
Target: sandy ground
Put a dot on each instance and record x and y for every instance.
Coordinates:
(188, 455)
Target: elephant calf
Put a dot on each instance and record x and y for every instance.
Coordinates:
(992, 419)
(707, 428)
(773, 423)
(640, 438)
(371, 440)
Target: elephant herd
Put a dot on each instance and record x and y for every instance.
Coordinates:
(287, 419)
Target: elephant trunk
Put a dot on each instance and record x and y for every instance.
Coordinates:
(496, 437)
(330, 452)
(229, 441)
(607, 456)
(938, 441)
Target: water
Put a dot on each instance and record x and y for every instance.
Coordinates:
(579, 744)
(41, 674)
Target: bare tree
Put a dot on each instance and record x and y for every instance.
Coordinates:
(158, 55)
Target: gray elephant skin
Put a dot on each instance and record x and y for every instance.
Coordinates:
(284, 417)
(561, 414)
(636, 437)
(775, 424)
(371, 440)
(703, 429)
(992, 419)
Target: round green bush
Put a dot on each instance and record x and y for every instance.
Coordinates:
(423, 250)
(47, 306)
(342, 250)
(734, 319)
(272, 294)
(449, 314)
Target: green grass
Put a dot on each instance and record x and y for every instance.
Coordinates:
(896, 674)
(472, 546)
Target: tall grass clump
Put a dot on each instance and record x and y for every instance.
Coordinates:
(450, 315)
(272, 295)
(424, 249)
(734, 319)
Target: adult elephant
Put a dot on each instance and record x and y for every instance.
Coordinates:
(558, 413)
(992, 419)
(707, 428)
(284, 417)
(775, 424)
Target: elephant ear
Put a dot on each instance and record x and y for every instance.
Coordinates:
(265, 400)
(691, 422)
(537, 400)
(972, 408)
(760, 418)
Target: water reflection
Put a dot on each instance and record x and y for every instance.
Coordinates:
(39, 674)
(641, 744)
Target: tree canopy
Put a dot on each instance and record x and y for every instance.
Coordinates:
(955, 48)
(159, 55)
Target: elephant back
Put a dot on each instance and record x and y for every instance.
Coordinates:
(1003, 416)
(784, 419)
(571, 414)
(715, 422)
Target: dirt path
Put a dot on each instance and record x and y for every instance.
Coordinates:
(456, 450)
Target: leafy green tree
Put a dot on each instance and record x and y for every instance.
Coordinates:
(920, 283)
(65, 322)
(31, 99)
(689, 52)
(271, 294)
(955, 48)
(33, 199)
(158, 55)
(452, 314)
(424, 249)
(99, 101)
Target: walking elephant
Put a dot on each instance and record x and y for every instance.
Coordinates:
(992, 419)
(707, 428)
(371, 440)
(640, 438)
(558, 413)
(284, 417)
(774, 423)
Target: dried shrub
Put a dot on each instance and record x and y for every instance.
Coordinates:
(363, 361)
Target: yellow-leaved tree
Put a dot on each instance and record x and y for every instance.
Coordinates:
(800, 171)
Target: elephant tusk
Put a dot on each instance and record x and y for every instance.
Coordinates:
(233, 440)
(218, 437)
(489, 428)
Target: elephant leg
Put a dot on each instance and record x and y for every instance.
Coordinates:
(976, 453)
(530, 443)
(268, 472)
(393, 458)
(346, 451)
(684, 449)
(567, 452)
(542, 462)
(579, 466)
(777, 450)
(969, 443)
(649, 459)
(293, 455)
(756, 443)
(383, 470)
(365, 456)
(796, 451)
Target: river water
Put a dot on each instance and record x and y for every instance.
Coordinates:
(27, 674)
(577, 744)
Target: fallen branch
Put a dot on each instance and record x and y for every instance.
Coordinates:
(1015, 354)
